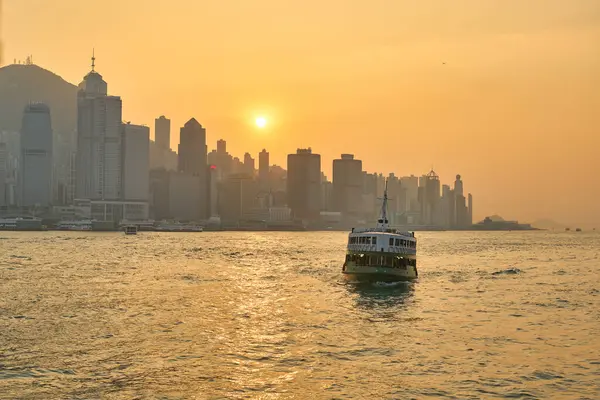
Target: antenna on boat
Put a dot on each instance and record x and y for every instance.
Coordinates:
(383, 221)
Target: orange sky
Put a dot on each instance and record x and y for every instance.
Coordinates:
(515, 109)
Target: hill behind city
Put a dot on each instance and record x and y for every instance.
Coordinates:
(23, 84)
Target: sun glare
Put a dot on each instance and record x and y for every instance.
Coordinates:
(261, 122)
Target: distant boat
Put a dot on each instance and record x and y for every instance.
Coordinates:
(578, 230)
(567, 229)
(130, 230)
(83, 225)
(381, 254)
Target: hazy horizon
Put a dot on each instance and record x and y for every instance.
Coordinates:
(506, 93)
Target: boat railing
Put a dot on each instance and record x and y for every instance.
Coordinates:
(380, 230)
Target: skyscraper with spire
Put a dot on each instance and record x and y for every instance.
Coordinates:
(99, 140)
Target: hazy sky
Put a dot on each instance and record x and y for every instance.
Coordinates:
(515, 109)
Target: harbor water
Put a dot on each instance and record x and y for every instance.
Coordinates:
(268, 315)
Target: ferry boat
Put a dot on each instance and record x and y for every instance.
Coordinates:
(381, 254)
(85, 225)
(130, 230)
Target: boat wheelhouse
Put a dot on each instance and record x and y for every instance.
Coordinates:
(130, 230)
(381, 253)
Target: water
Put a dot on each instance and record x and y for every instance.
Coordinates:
(268, 316)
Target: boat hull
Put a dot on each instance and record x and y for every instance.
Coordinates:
(380, 274)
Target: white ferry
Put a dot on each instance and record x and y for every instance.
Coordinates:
(381, 254)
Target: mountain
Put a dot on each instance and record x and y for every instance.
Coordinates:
(23, 84)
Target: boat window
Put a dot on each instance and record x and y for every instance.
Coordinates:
(391, 241)
(374, 240)
(368, 239)
(397, 242)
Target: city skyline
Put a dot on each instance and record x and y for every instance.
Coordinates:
(493, 117)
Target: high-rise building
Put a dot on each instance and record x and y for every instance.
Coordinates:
(136, 164)
(221, 146)
(263, 168)
(430, 212)
(237, 198)
(99, 141)
(192, 148)
(448, 207)
(221, 159)
(187, 197)
(461, 210)
(162, 132)
(35, 177)
(192, 163)
(213, 191)
(470, 212)
(159, 194)
(248, 164)
(304, 184)
(411, 184)
(458, 186)
(347, 185)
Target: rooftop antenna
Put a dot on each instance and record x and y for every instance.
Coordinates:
(93, 59)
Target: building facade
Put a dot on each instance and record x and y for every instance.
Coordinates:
(99, 141)
(35, 178)
(136, 163)
(162, 132)
(347, 185)
(192, 149)
(304, 184)
(263, 169)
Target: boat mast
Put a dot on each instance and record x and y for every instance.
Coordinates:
(382, 223)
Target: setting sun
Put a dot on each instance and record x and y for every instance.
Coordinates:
(261, 122)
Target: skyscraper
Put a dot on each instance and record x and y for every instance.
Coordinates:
(249, 164)
(430, 212)
(470, 212)
(192, 148)
(263, 168)
(221, 146)
(162, 132)
(461, 211)
(347, 185)
(99, 142)
(304, 184)
(189, 189)
(36, 157)
(136, 163)
(458, 186)
(411, 184)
